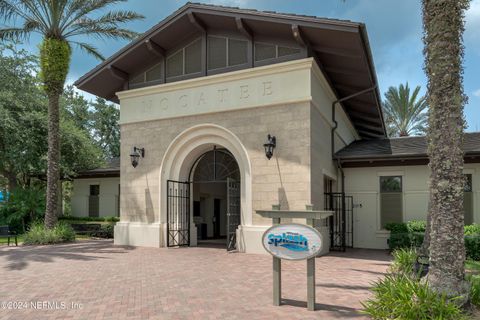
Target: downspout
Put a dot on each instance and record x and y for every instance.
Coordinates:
(339, 162)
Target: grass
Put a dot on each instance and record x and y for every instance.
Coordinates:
(472, 266)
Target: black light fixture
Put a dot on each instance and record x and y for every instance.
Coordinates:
(269, 146)
(136, 154)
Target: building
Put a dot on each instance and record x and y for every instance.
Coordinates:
(201, 92)
(96, 193)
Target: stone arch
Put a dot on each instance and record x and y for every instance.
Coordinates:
(187, 147)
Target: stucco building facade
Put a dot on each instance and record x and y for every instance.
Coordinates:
(200, 92)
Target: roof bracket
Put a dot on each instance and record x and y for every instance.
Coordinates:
(297, 35)
(117, 73)
(243, 28)
(196, 22)
(155, 48)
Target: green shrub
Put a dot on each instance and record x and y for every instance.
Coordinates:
(402, 297)
(474, 289)
(472, 247)
(22, 208)
(38, 234)
(416, 226)
(403, 260)
(472, 229)
(99, 219)
(106, 231)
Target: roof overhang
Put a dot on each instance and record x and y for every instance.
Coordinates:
(341, 49)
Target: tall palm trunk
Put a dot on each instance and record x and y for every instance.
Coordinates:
(55, 58)
(443, 26)
(53, 160)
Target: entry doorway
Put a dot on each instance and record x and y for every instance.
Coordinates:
(216, 218)
(213, 194)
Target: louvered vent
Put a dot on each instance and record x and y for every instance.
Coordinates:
(286, 51)
(237, 52)
(175, 64)
(217, 53)
(154, 73)
(193, 57)
(265, 51)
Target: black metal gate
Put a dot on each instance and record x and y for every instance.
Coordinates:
(233, 213)
(178, 213)
(341, 223)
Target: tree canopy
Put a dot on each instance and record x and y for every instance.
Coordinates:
(89, 130)
(405, 111)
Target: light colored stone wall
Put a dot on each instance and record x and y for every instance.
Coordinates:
(284, 179)
(363, 184)
(108, 196)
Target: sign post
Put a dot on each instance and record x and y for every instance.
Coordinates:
(293, 242)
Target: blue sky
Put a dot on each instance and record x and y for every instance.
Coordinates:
(394, 28)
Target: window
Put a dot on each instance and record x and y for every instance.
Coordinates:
(175, 64)
(237, 52)
(468, 199)
(187, 60)
(217, 53)
(265, 51)
(391, 200)
(94, 190)
(93, 201)
(226, 52)
(193, 57)
(154, 73)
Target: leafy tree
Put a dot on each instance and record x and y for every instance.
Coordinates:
(24, 206)
(106, 131)
(443, 23)
(405, 113)
(60, 22)
(23, 124)
(99, 118)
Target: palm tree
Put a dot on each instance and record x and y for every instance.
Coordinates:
(443, 23)
(405, 114)
(60, 23)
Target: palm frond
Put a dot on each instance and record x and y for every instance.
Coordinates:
(80, 8)
(405, 111)
(14, 34)
(103, 32)
(11, 9)
(88, 48)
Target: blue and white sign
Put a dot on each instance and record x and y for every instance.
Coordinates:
(292, 241)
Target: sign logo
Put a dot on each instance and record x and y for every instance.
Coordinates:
(292, 241)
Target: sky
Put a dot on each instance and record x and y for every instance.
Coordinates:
(394, 30)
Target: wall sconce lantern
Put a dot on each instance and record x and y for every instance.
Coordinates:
(136, 154)
(269, 146)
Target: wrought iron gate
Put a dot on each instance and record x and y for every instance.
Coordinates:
(233, 213)
(341, 223)
(178, 213)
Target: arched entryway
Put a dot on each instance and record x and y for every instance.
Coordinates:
(215, 180)
(178, 178)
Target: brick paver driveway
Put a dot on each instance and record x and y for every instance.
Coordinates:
(97, 280)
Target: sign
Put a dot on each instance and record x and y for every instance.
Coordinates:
(292, 241)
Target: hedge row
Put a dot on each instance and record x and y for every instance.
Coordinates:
(411, 234)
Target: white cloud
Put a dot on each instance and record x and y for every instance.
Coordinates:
(472, 18)
(476, 93)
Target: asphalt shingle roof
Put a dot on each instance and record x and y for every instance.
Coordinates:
(400, 147)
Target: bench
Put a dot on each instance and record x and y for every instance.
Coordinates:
(6, 233)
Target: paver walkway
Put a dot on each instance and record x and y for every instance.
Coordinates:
(97, 280)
